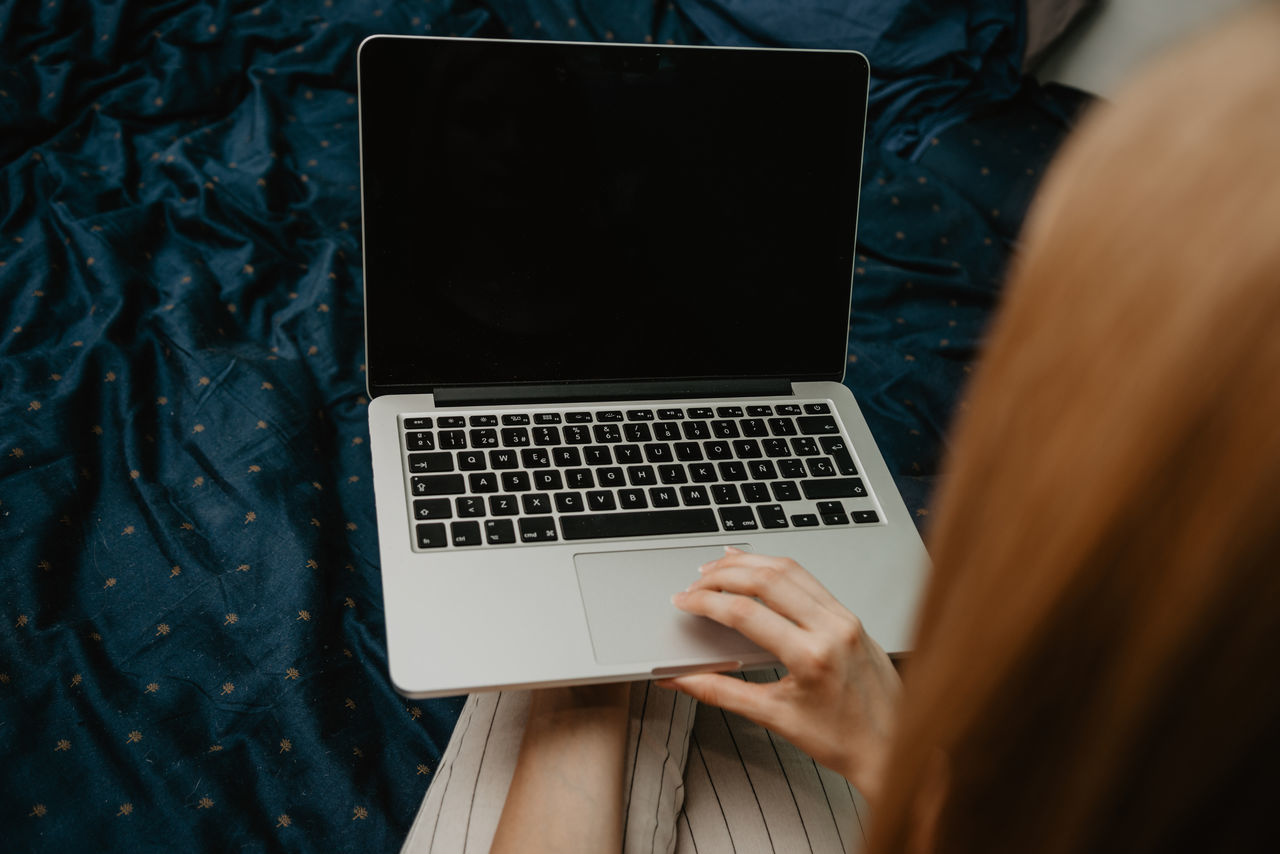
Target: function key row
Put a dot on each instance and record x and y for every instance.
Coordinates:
(616, 415)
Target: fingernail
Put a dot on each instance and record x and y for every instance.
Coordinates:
(706, 566)
(732, 550)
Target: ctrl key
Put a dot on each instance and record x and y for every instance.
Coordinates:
(432, 536)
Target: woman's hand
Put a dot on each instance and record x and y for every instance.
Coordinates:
(838, 702)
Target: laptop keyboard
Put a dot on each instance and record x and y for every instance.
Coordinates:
(502, 478)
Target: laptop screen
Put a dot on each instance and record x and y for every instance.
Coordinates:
(541, 212)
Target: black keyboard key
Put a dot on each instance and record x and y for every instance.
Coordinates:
(825, 507)
(417, 424)
(694, 496)
(664, 496)
(569, 502)
(431, 463)
(754, 427)
(815, 425)
(432, 508)
(785, 490)
(670, 414)
(578, 417)
(759, 411)
(641, 524)
(865, 517)
(776, 448)
(834, 487)
(452, 421)
(793, 469)
(576, 434)
(465, 533)
(700, 412)
(610, 415)
(579, 479)
(515, 419)
(835, 518)
(835, 446)
(718, 450)
(545, 435)
(772, 516)
(536, 458)
(755, 493)
(628, 454)
(637, 432)
(419, 442)
(503, 505)
(820, 467)
(610, 476)
(472, 461)
(725, 493)
(469, 505)
(672, 474)
(597, 455)
(432, 536)
(499, 532)
(733, 470)
(484, 481)
(665, 431)
(656, 453)
(503, 459)
(632, 499)
(567, 456)
(639, 414)
(484, 438)
(601, 499)
(763, 470)
(546, 418)
(788, 409)
(548, 479)
(804, 446)
(817, 409)
(607, 433)
(746, 449)
(738, 519)
(515, 437)
(536, 503)
(729, 411)
(805, 520)
(483, 421)
(538, 530)
(641, 476)
(696, 430)
(725, 429)
(516, 481)
(437, 484)
(452, 440)
(702, 473)
(688, 452)
(782, 426)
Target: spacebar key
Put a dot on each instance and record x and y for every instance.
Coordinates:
(647, 524)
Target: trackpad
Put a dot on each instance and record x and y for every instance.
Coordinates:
(627, 596)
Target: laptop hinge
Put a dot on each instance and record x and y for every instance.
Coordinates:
(564, 392)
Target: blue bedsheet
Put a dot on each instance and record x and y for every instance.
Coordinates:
(191, 639)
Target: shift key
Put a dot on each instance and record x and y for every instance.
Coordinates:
(437, 484)
(833, 487)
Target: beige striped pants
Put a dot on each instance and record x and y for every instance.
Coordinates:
(697, 779)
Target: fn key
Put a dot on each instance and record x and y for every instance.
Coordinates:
(432, 536)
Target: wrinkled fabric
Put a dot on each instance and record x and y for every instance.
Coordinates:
(191, 632)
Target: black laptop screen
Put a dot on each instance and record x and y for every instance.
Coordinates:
(546, 213)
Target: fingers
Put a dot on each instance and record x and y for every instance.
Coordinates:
(749, 699)
(797, 573)
(757, 622)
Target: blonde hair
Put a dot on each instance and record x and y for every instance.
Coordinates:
(1095, 652)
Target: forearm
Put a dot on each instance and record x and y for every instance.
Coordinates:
(566, 794)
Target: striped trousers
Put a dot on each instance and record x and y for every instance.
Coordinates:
(697, 779)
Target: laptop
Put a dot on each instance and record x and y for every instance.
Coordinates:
(607, 293)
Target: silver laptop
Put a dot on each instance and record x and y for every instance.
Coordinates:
(607, 294)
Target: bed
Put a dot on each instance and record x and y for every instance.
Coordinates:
(191, 639)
